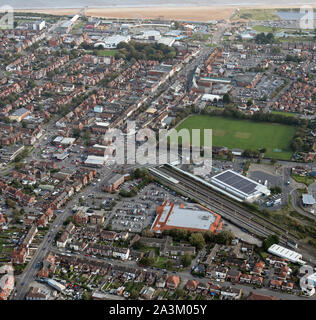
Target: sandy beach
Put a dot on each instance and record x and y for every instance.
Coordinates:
(198, 13)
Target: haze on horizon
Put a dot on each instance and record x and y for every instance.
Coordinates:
(32, 4)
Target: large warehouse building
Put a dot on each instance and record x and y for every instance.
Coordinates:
(285, 253)
(190, 216)
(112, 41)
(238, 186)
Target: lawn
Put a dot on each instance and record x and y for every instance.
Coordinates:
(200, 36)
(255, 14)
(261, 28)
(244, 134)
(282, 113)
(303, 179)
(107, 53)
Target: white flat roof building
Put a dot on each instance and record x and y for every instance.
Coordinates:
(308, 199)
(68, 141)
(285, 253)
(232, 183)
(149, 35)
(211, 97)
(112, 42)
(96, 160)
(167, 41)
(188, 216)
(102, 124)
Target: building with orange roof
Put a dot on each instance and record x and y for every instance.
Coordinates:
(192, 217)
(173, 282)
(191, 285)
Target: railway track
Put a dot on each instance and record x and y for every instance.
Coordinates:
(228, 209)
(232, 204)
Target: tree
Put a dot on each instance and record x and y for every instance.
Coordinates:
(196, 239)
(230, 156)
(138, 245)
(225, 237)
(148, 233)
(134, 294)
(247, 153)
(146, 261)
(10, 203)
(269, 241)
(276, 190)
(179, 292)
(226, 98)
(76, 132)
(169, 264)
(209, 236)
(261, 38)
(86, 296)
(276, 50)
(186, 260)
(250, 102)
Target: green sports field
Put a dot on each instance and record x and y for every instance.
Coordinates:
(245, 134)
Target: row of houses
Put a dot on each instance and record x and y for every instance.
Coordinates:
(19, 254)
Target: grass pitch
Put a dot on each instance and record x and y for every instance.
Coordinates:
(244, 134)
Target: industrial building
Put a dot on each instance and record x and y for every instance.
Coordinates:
(56, 285)
(112, 182)
(192, 217)
(167, 41)
(112, 42)
(149, 35)
(19, 114)
(96, 161)
(60, 140)
(285, 253)
(238, 186)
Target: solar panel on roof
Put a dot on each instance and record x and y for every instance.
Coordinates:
(237, 182)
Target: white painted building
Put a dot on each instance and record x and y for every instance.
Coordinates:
(122, 253)
(112, 42)
(286, 254)
(238, 186)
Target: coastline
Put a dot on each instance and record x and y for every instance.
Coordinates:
(190, 13)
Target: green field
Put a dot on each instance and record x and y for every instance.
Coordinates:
(283, 113)
(261, 28)
(107, 53)
(244, 134)
(255, 14)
